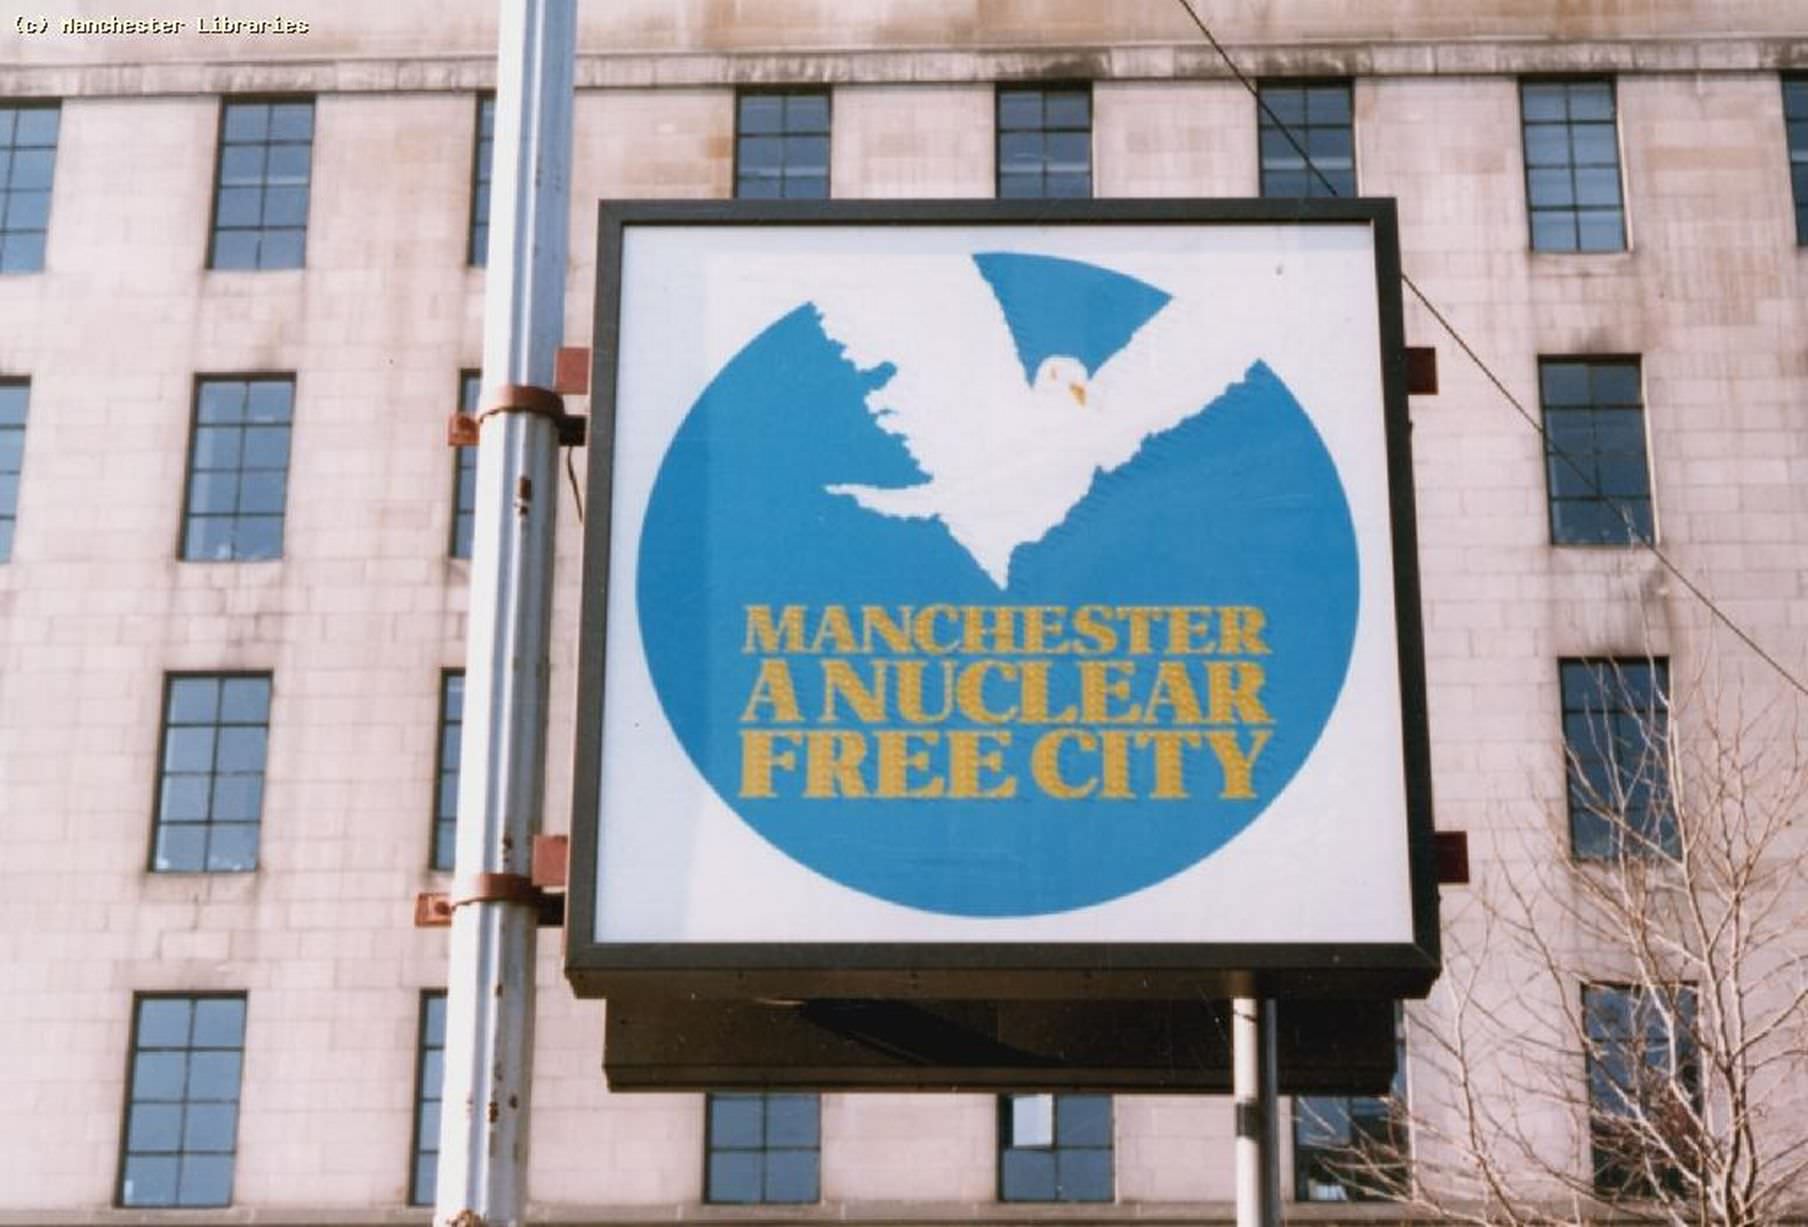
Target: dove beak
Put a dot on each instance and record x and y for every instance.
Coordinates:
(1079, 392)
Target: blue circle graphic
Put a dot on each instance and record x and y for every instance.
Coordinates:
(1238, 506)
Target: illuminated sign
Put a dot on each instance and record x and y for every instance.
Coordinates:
(978, 586)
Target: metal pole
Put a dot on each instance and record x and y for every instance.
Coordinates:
(490, 986)
(1253, 1079)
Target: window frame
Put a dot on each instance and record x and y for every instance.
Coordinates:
(1572, 460)
(1302, 133)
(227, 101)
(1634, 1048)
(1611, 81)
(764, 1149)
(157, 767)
(1044, 88)
(10, 515)
(828, 135)
(470, 391)
(1401, 1128)
(1663, 841)
(188, 468)
(1794, 156)
(415, 1149)
(1056, 1148)
(124, 1151)
(14, 107)
(483, 178)
(439, 774)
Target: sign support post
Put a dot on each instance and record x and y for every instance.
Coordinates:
(490, 996)
(1253, 1088)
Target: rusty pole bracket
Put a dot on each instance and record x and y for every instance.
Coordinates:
(433, 909)
(1421, 370)
(462, 428)
(1452, 851)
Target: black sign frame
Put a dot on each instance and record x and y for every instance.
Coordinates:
(1018, 970)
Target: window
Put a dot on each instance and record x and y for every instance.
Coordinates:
(464, 471)
(14, 393)
(1795, 124)
(1615, 735)
(480, 180)
(1044, 141)
(238, 469)
(1572, 156)
(260, 210)
(782, 145)
(1054, 1148)
(1644, 1085)
(445, 793)
(210, 795)
(763, 1148)
(1319, 117)
(1333, 1133)
(1594, 451)
(182, 1104)
(429, 1075)
(28, 137)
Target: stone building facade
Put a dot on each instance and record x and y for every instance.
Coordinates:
(113, 337)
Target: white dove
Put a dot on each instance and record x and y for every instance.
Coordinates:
(1008, 459)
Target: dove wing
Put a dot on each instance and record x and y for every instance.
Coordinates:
(1175, 365)
(935, 319)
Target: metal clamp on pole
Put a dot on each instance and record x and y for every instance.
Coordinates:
(462, 429)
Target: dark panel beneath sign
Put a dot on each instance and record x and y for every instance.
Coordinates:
(664, 1044)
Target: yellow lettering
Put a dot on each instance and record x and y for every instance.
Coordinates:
(922, 629)
(1098, 687)
(909, 682)
(834, 627)
(1236, 701)
(1241, 631)
(758, 759)
(970, 692)
(1189, 630)
(875, 621)
(1235, 764)
(1092, 623)
(1035, 696)
(1045, 764)
(897, 760)
(966, 759)
(764, 636)
(1170, 769)
(1173, 689)
(1140, 616)
(1116, 758)
(832, 764)
(773, 687)
(839, 678)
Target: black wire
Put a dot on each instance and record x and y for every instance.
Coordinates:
(1551, 449)
(571, 475)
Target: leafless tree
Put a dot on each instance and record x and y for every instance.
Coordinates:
(1621, 1030)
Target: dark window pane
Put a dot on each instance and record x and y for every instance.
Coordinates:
(762, 113)
(1083, 1120)
(1554, 231)
(1328, 105)
(735, 1121)
(292, 121)
(1083, 1175)
(285, 206)
(189, 750)
(180, 849)
(1591, 100)
(213, 1077)
(791, 1120)
(206, 1180)
(155, 1128)
(1067, 109)
(241, 750)
(212, 493)
(790, 1176)
(1019, 109)
(219, 1022)
(244, 700)
(807, 113)
(31, 169)
(734, 1177)
(1551, 187)
(209, 1127)
(280, 249)
(1027, 1175)
(231, 848)
(185, 798)
(1600, 231)
(149, 1181)
(158, 1075)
